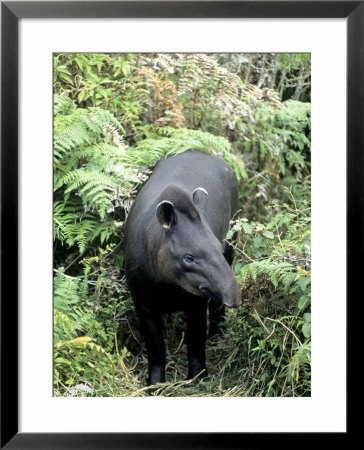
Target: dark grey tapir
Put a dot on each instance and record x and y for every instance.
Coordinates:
(176, 256)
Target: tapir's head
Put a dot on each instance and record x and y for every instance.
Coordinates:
(190, 255)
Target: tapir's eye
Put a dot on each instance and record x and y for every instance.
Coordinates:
(189, 259)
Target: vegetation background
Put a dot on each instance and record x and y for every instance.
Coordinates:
(115, 116)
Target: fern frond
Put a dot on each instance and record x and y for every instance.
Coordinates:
(65, 292)
(174, 141)
(81, 127)
(280, 273)
(62, 104)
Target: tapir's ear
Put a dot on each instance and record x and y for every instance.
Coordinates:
(200, 197)
(166, 214)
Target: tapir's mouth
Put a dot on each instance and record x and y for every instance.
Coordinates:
(207, 293)
(232, 305)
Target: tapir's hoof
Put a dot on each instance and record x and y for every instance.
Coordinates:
(156, 375)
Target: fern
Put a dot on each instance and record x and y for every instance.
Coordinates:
(81, 127)
(62, 104)
(94, 187)
(72, 225)
(72, 315)
(88, 150)
(174, 141)
(63, 326)
(65, 292)
(280, 273)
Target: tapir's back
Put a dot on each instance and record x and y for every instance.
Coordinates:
(193, 169)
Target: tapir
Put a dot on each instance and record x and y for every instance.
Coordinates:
(176, 257)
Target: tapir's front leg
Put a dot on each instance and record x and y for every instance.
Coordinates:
(152, 330)
(196, 337)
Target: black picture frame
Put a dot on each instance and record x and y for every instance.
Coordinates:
(11, 12)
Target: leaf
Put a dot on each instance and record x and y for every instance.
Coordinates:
(237, 266)
(303, 282)
(229, 234)
(268, 234)
(247, 228)
(303, 301)
(264, 376)
(258, 241)
(306, 330)
(302, 271)
(65, 77)
(262, 149)
(307, 317)
(103, 236)
(81, 95)
(61, 360)
(82, 340)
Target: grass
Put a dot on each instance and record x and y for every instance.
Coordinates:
(130, 376)
(237, 367)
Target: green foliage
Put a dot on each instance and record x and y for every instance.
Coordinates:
(276, 361)
(273, 268)
(88, 153)
(107, 81)
(73, 317)
(115, 117)
(277, 153)
(75, 329)
(85, 343)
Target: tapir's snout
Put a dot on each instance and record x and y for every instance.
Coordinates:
(228, 288)
(229, 295)
(232, 304)
(231, 298)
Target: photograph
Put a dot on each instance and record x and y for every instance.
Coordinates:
(182, 224)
